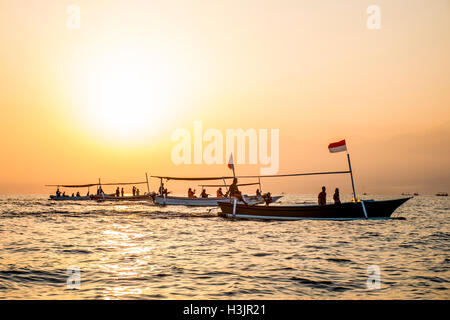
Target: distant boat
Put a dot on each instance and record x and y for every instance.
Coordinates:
(442, 194)
(416, 194)
(100, 196)
(345, 211)
(406, 194)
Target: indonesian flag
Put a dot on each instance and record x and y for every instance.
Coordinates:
(337, 146)
(230, 162)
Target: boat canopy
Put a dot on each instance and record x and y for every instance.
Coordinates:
(92, 184)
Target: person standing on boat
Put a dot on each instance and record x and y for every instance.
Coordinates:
(137, 192)
(117, 192)
(322, 197)
(58, 193)
(219, 193)
(134, 191)
(336, 198)
(258, 193)
(121, 192)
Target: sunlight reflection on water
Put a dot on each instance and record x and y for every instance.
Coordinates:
(136, 251)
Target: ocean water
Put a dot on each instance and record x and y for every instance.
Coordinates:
(140, 251)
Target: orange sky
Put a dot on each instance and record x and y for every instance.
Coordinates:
(103, 100)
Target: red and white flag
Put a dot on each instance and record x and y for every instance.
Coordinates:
(337, 146)
(230, 162)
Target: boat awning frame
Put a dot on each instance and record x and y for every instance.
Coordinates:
(245, 177)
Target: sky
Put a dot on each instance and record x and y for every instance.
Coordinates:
(103, 98)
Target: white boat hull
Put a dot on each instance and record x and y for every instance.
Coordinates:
(206, 202)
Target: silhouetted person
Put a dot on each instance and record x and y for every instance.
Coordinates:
(233, 191)
(336, 198)
(258, 193)
(204, 194)
(134, 191)
(78, 194)
(267, 198)
(191, 194)
(322, 197)
(122, 192)
(219, 193)
(117, 192)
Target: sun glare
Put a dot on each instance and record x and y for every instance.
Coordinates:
(128, 97)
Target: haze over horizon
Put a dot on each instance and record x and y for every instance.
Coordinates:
(102, 101)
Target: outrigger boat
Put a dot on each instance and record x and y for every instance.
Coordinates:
(359, 209)
(162, 199)
(101, 196)
(368, 209)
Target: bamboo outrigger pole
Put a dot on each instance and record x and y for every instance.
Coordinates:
(351, 176)
(148, 186)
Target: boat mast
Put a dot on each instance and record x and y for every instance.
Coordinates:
(148, 186)
(259, 181)
(351, 176)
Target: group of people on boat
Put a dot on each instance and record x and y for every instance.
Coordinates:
(233, 191)
(322, 198)
(119, 192)
(136, 192)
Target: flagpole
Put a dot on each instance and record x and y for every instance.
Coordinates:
(351, 176)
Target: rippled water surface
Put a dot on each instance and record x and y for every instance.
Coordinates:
(140, 251)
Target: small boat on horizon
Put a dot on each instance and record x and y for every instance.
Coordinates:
(442, 194)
